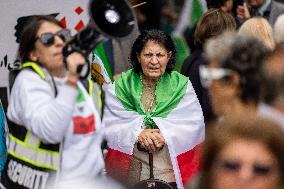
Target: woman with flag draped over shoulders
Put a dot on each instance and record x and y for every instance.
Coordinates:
(153, 109)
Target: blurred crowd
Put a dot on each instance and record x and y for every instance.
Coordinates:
(201, 91)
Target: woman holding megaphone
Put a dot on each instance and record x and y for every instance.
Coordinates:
(55, 130)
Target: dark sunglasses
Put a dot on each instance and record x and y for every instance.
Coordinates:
(47, 39)
(235, 167)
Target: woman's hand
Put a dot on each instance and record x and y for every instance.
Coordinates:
(151, 139)
(243, 12)
(158, 139)
(73, 61)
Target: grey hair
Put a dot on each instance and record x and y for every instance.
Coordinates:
(243, 54)
(218, 48)
(279, 29)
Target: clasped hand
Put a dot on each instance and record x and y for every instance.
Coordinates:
(151, 139)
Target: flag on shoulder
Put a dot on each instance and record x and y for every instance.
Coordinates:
(177, 114)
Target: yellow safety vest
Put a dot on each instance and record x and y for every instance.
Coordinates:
(30, 162)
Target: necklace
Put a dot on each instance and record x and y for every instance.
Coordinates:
(148, 97)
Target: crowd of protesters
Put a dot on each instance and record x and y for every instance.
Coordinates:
(153, 117)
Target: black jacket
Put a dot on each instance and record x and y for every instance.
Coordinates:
(190, 68)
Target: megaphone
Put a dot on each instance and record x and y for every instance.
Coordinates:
(113, 19)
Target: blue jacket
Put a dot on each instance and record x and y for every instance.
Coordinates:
(3, 148)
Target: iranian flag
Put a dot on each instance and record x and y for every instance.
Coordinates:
(190, 14)
(102, 51)
(177, 114)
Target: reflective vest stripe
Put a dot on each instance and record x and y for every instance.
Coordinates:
(99, 94)
(33, 155)
(32, 140)
(33, 147)
(35, 67)
(100, 98)
(90, 88)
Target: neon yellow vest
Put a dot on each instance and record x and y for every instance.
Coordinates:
(30, 162)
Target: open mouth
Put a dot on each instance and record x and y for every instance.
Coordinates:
(153, 69)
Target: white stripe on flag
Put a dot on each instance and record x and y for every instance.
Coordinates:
(185, 16)
(122, 126)
(184, 126)
(183, 129)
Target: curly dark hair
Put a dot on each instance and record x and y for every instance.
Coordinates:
(246, 57)
(157, 36)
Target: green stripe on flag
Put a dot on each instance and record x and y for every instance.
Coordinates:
(182, 52)
(128, 89)
(196, 12)
(101, 52)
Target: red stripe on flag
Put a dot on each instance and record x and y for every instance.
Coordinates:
(117, 164)
(189, 163)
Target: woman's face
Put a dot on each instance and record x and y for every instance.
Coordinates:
(222, 93)
(245, 164)
(49, 56)
(153, 59)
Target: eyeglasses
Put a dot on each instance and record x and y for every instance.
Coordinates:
(207, 75)
(150, 55)
(47, 39)
(234, 167)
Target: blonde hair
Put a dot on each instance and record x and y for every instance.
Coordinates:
(259, 28)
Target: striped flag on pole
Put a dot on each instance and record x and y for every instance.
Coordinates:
(102, 51)
(182, 51)
(190, 14)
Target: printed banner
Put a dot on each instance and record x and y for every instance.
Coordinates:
(73, 14)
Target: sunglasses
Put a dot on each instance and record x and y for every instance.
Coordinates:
(47, 39)
(235, 167)
(207, 75)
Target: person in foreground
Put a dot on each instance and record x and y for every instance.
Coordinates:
(55, 130)
(243, 152)
(152, 108)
